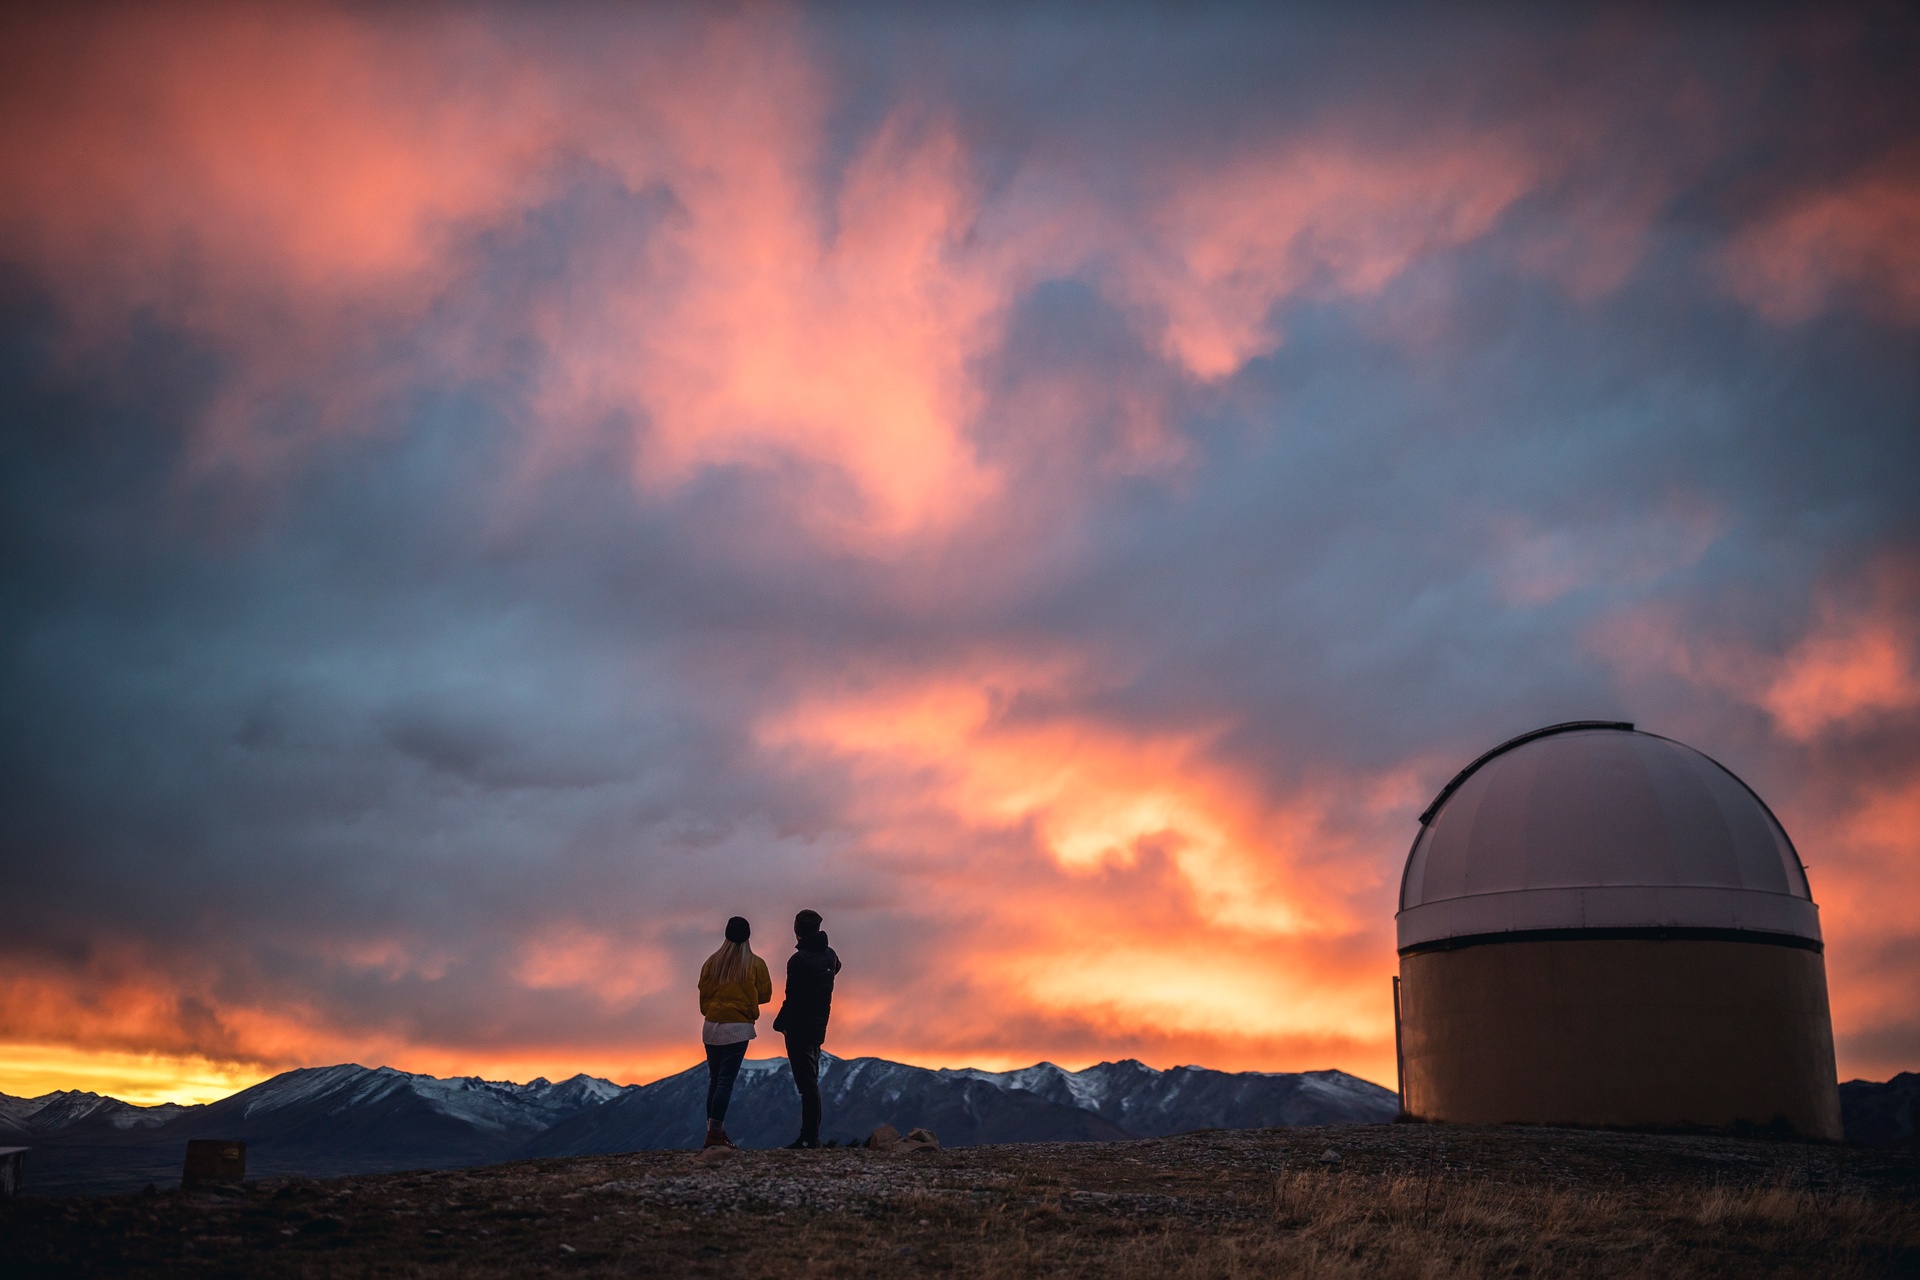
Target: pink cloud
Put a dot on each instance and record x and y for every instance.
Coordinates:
(1861, 236)
(1323, 218)
(305, 191)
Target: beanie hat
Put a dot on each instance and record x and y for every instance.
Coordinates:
(738, 930)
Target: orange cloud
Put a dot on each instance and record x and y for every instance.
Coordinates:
(1862, 235)
(1868, 885)
(1319, 219)
(279, 183)
(1861, 656)
(760, 329)
(164, 1029)
(288, 186)
(119, 1002)
(1848, 668)
(1092, 797)
(615, 971)
(1131, 886)
(225, 147)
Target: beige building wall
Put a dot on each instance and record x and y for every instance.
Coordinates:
(1625, 1032)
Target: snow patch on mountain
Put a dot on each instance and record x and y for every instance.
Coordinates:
(1149, 1102)
(492, 1106)
(64, 1108)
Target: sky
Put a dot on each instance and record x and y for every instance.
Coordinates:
(487, 493)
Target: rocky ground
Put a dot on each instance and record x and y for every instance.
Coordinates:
(1376, 1201)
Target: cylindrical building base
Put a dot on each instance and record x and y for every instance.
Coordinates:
(1620, 1031)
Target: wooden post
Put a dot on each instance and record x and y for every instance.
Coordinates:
(1399, 1052)
(12, 1161)
(214, 1161)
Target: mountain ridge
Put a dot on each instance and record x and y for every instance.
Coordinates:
(348, 1118)
(969, 1106)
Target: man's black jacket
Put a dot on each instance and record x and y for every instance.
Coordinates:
(810, 970)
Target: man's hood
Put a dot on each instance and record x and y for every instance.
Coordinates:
(815, 941)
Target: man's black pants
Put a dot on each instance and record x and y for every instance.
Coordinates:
(804, 1058)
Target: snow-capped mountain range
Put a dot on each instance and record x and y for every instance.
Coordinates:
(967, 1106)
(22, 1118)
(353, 1119)
(1149, 1103)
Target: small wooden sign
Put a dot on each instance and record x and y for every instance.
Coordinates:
(213, 1161)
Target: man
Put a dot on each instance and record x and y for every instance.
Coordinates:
(803, 1018)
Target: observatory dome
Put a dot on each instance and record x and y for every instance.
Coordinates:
(1596, 826)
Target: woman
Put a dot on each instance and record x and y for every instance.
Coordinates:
(734, 983)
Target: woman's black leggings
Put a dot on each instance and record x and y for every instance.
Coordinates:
(723, 1068)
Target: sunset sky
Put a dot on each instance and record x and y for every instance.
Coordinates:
(491, 492)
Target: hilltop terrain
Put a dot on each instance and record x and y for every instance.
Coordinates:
(1375, 1201)
(325, 1121)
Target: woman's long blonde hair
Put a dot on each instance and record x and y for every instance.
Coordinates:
(733, 962)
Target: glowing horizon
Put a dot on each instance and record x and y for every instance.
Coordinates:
(146, 1080)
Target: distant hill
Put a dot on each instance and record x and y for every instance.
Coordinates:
(325, 1121)
(68, 1110)
(321, 1121)
(1882, 1115)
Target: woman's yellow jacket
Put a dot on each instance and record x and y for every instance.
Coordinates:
(738, 1001)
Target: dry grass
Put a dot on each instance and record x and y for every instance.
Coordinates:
(1334, 1226)
(1399, 1202)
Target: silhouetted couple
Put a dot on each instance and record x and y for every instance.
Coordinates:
(734, 983)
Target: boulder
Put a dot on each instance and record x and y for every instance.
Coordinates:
(885, 1138)
(922, 1140)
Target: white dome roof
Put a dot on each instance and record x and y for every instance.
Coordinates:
(1596, 826)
